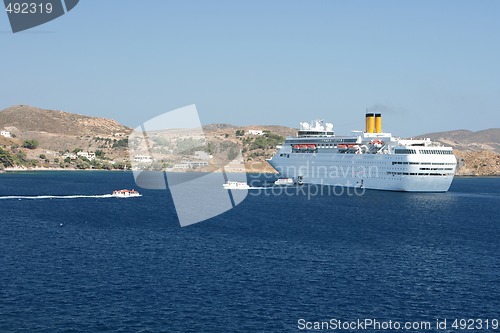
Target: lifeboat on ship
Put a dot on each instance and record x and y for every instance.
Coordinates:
(376, 143)
(348, 146)
(305, 146)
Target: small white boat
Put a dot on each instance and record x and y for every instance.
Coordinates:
(284, 181)
(229, 185)
(125, 193)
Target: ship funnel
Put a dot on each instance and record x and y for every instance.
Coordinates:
(378, 123)
(370, 122)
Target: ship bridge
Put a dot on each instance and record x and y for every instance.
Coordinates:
(315, 128)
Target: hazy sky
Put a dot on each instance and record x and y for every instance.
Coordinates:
(427, 65)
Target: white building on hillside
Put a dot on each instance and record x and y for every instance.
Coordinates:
(255, 132)
(71, 156)
(190, 164)
(87, 154)
(6, 134)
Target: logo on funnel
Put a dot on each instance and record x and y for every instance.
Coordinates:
(27, 14)
(172, 151)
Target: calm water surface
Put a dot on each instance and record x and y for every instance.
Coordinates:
(114, 265)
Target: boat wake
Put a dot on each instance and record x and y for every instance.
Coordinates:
(270, 187)
(42, 197)
(249, 188)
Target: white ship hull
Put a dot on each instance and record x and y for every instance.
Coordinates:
(371, 159)
(393, 172)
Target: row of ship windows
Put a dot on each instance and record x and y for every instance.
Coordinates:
(417, 174)
(429, 169)
(408, 163)
(423, 163)
(303, 151)
(370, 162)
(436, 152)
(436, 168)
(423, 151)
(405, 151)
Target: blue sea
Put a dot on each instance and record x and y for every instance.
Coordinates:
(274, 263)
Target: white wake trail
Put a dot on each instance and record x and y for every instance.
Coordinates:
(41, 197)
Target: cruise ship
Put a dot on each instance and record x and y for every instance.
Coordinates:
(369, 159)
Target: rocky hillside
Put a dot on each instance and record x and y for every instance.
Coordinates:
(478, 163)
(255, 148)
(24, 118)
(467, 140)
(231, 129)
(44, 138)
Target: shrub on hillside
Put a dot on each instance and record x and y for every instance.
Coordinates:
(30, 144)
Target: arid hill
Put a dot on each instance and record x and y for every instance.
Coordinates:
(477, 163)
(57, 132)
(467, 140)
(25, 118)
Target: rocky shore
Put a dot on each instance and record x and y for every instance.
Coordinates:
(477, 163)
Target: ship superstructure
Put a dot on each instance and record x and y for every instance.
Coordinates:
(368, 159)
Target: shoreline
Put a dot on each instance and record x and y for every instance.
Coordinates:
(42, 169)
